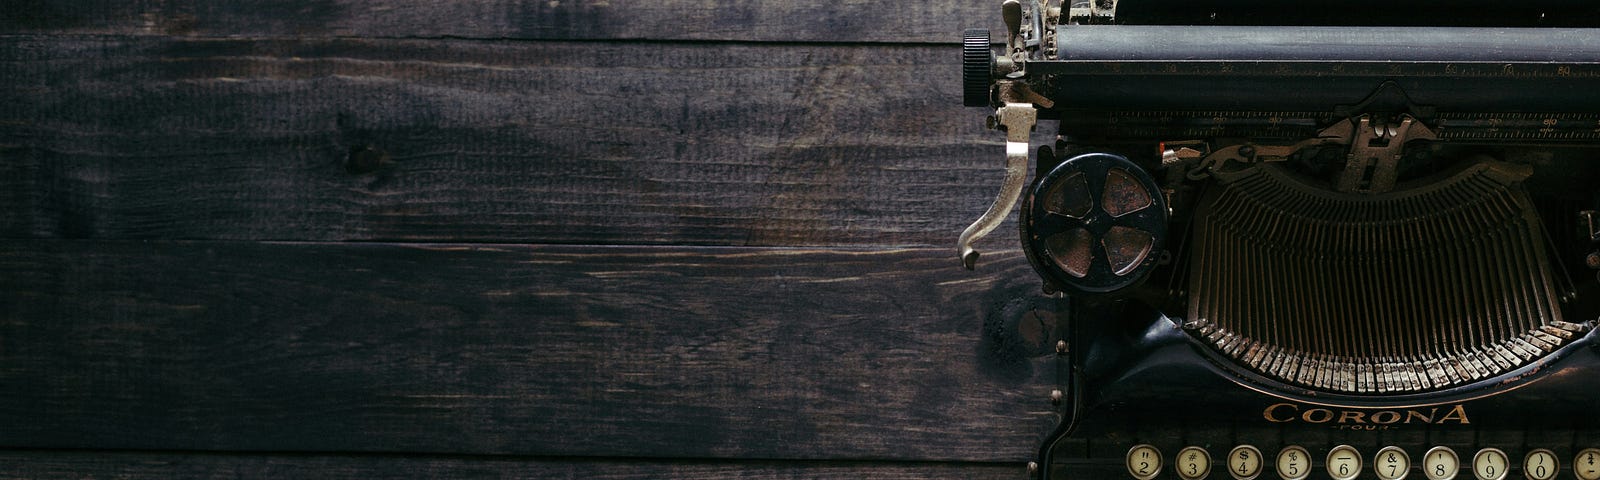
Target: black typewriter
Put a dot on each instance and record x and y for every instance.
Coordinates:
(1308, 239)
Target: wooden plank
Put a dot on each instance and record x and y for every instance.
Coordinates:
(527, 350)
(514, 142)
(911, 22)
(51, 464)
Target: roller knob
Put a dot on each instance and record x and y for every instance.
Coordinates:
(1094, 225)
(977, 63)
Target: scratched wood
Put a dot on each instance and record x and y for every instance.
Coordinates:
(56, 464)
(541, 142)
(523, 350)
(849, 21)
(171, 173)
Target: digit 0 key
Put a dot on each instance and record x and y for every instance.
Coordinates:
(1541, 464)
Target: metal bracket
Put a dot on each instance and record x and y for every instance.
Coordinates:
(1025, 27)
(1210, 159)
(1374, 160)
(1093, 12)
(1589, 225)
(1018, 120)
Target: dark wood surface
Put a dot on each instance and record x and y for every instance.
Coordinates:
(516, 349)
(771, 21)
(514, 142)
(50, 464)
(358, 239)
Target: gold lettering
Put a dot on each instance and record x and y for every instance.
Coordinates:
(1385, 417)
(1268, 413)
(1458, 413)
(1290, 412)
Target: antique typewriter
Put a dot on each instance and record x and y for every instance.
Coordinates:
(1308, 239)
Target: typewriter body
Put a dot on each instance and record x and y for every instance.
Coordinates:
(1327, 240)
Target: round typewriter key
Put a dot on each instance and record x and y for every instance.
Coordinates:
(1441, 463)
(1540, 464)
(1193, 463)
(1144, 462)
(1587, 464)
(1490, 464)
(1344, 462)
(1294, 463)
(1392, 463)
(1244, 462)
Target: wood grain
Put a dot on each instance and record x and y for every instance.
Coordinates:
(848, 21)
(490, 141)
(54, 464)
(526, 350)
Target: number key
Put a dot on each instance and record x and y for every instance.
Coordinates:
(1541, 464)
(1244, 462)
(1490, 464)
(1441, 463)
(1344, 463)
(1294, 463)
(1194, 463)
(1144, 462)
(1391, 463)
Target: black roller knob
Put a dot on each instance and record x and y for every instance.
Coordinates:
(977, 63)
(1094, 225)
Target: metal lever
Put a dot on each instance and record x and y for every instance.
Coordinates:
(1017, 119)
(1011, 12)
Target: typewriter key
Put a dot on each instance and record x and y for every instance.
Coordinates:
(1144, 462)
(1294, 463)
(1441, 463)
(1194, 463)
(1344, 463)
(1587, 464)
(1391, 463)
(1490, 464)
(1244, 462)
(1540, 464)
